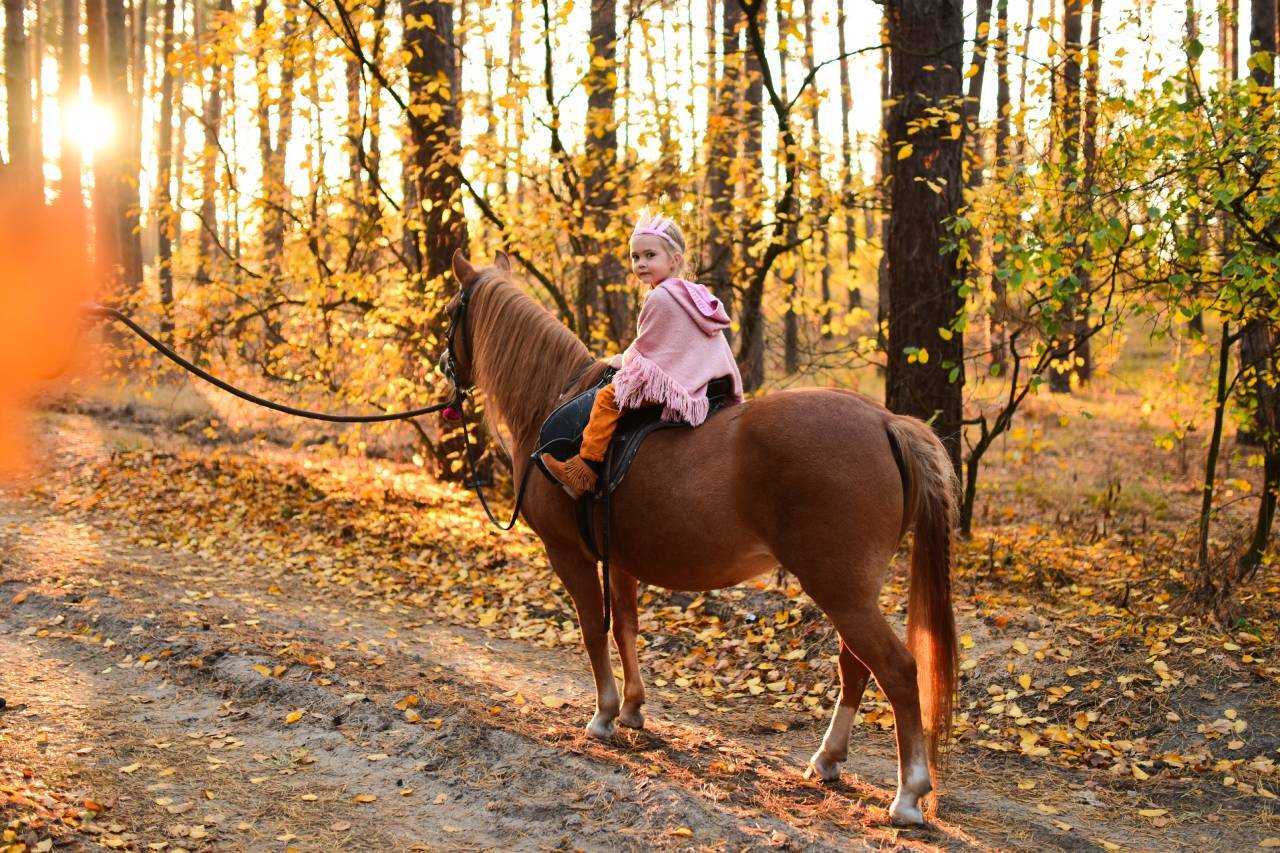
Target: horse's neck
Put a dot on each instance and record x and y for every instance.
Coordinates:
(525, 390)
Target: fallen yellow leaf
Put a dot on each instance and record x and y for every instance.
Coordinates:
(293, 717)
(364, 798)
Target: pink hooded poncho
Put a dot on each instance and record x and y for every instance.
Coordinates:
(680, 347)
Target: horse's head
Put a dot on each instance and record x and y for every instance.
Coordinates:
(455, 363)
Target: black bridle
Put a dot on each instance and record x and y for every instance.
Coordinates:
(461, 390)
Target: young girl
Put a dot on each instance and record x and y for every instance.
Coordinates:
(679, 348)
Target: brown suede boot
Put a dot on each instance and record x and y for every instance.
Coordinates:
(575, 474)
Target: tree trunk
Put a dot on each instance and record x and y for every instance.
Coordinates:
(1089, 149)
(1229, 41)
(883, 273)
(822, 239)
(717, 256)
(17, 83)
(68, 97)
(36, 57)
(272, 147)
(164, 179)
(124, 164)
(973, 99)
(434, 151)
(1023, 142)
(854, 291)
(1064, 366)
(1256, 343)
(999, 295)
(106, 222)
(751, 317)
(788, 273)
(1207, 591)
(210, 154)
(926, 374)
(600, 266)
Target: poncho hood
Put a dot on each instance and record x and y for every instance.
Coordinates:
(705, 310)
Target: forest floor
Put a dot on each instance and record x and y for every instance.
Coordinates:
(213, 642)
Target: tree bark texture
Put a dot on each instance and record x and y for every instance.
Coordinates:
(164, 180)
(17, 83)
(722, 120)
(124, 165)
(68, 96)
(1068, 106)
(925, 83)
(854, 291)
(432, 171)
(601, 268)
(751, 317)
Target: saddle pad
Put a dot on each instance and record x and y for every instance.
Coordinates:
(561, 432)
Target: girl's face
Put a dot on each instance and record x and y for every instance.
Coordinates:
(652, 260)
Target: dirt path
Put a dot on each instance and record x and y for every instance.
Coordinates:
(157, 700)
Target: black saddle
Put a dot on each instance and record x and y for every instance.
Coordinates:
(561, 437)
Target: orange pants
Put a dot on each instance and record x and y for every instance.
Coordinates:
(604, 420)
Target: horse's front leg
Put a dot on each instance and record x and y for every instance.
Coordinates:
(578, 574)
(626, 624)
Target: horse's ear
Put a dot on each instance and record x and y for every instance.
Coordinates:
(503, 262)
(462, 269)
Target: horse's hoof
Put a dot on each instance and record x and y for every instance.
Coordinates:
(601, 730)
(822, 766)
(633, 720)
(901, 814)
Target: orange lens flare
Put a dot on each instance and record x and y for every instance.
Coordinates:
(45, 279)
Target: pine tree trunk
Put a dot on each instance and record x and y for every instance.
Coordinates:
(722, 122)
(17, 83)
(600, 267)
(751, 317)
(125, 167)
(788, 274)
(273, 147)
(1258, 346)
(926, 73)
(36, 57)
(209, 155)
(883, 273)
(106, 221)
(854, 291)
(999, 295)
(431, 167)
(164, 179)
(973, 98)
(1068, 95)
(68, 97)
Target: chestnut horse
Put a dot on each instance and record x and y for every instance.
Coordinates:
(822, 482)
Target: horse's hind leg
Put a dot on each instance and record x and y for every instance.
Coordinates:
(626, 624)
(578, 574)
(873, 641)
(835, 745)
(851, 600)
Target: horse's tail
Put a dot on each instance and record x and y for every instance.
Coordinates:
(931, 488)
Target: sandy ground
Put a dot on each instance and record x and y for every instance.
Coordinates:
(159, 701)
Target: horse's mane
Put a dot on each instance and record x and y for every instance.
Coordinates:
(524, 356)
